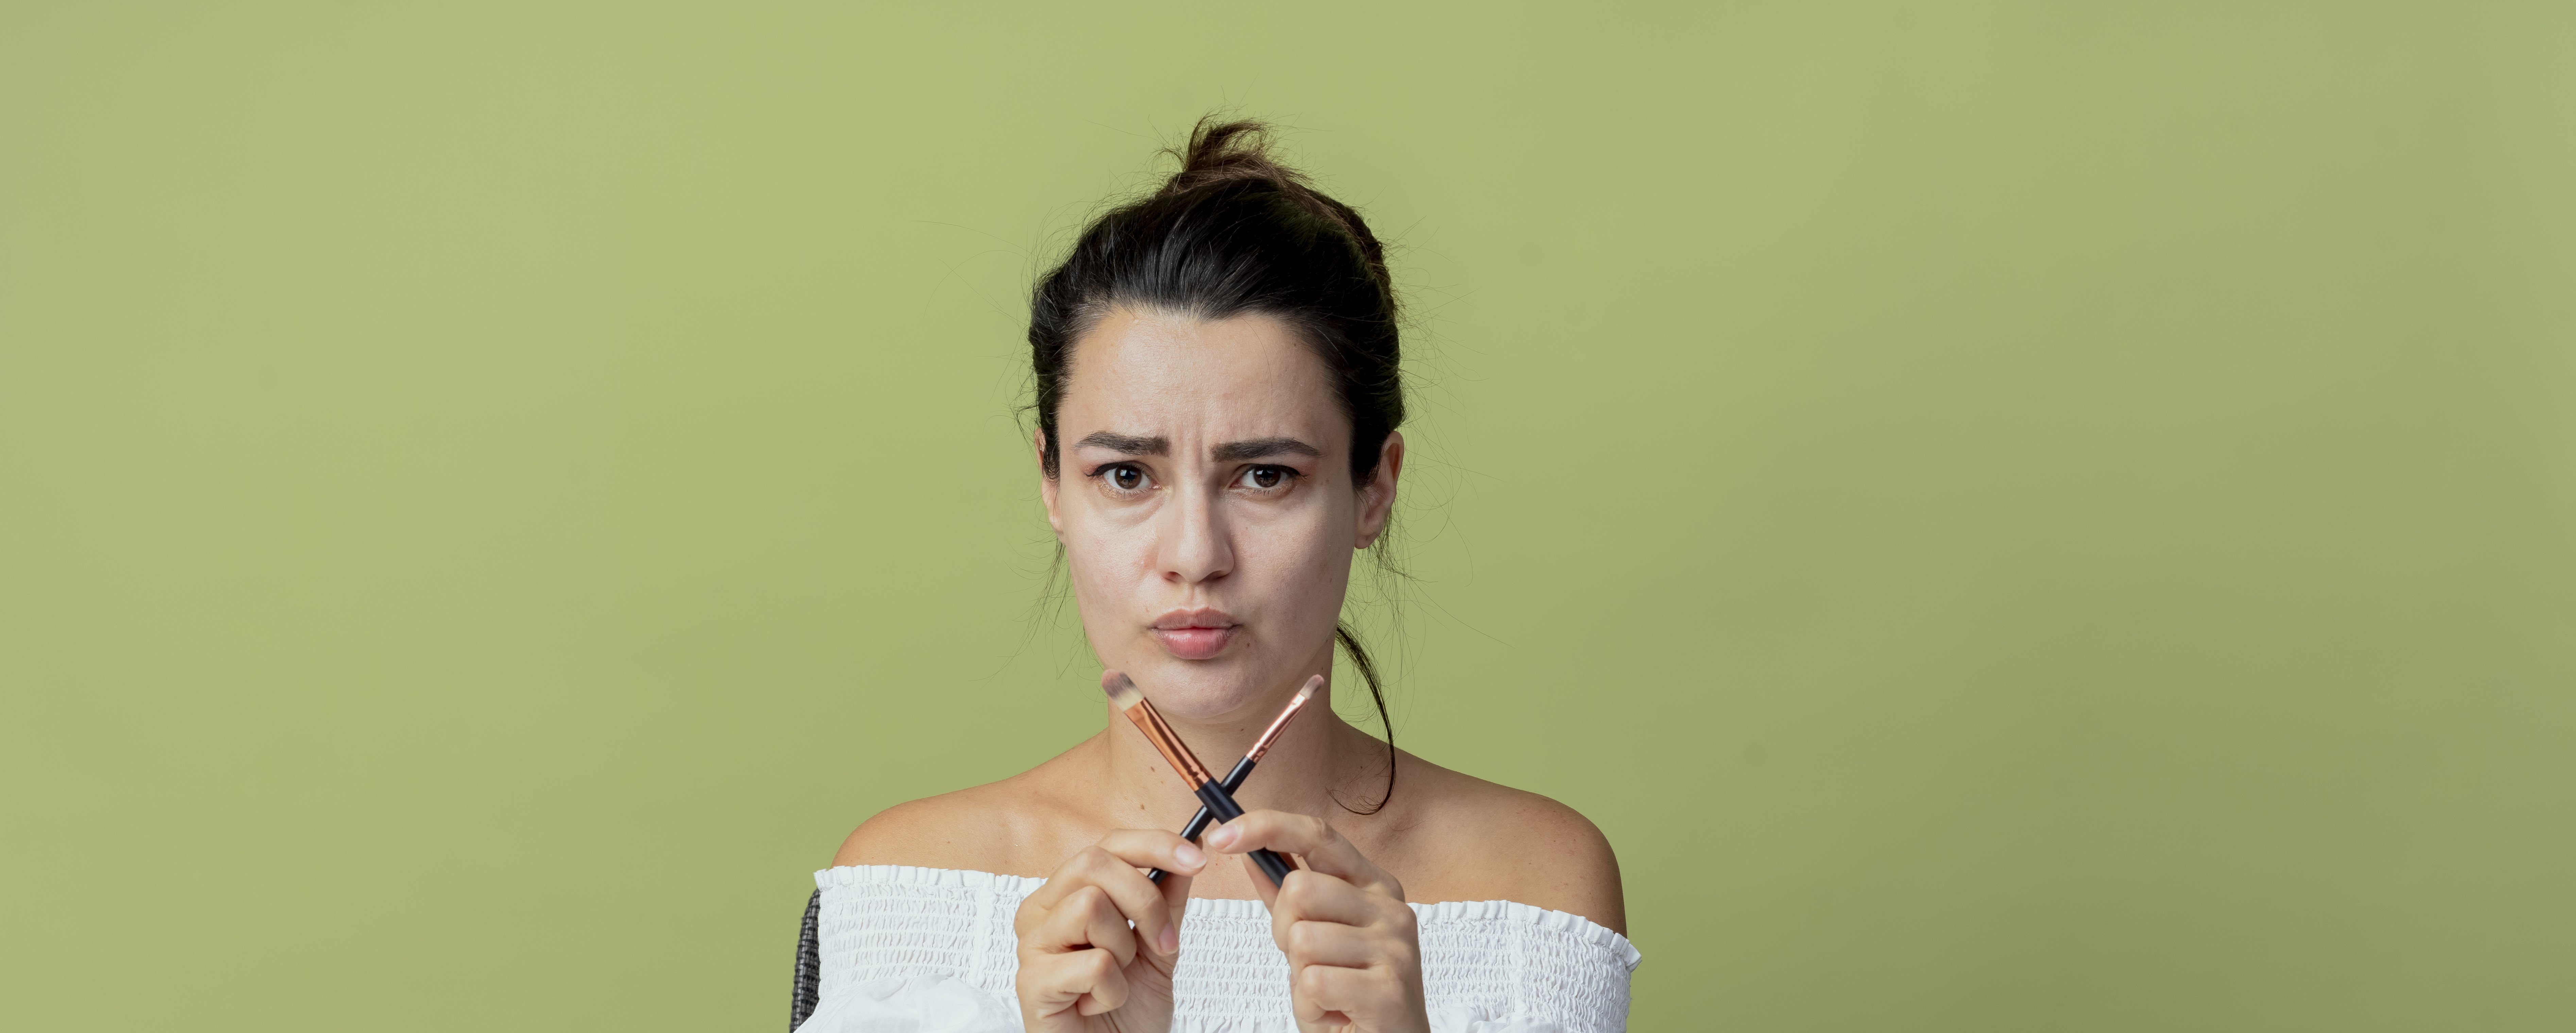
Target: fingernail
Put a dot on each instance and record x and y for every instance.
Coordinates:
(1171, 938)
(1189, 855)
(1223, 837)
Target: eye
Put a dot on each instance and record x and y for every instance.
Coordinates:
(1123, 477)
(1265, 478)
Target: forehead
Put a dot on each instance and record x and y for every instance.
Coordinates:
(1146, 370)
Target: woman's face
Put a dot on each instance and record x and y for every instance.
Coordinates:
(1205, 503)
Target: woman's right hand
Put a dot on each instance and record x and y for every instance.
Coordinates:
(1081, 967)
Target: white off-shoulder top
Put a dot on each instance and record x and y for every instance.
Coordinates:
(930, 950)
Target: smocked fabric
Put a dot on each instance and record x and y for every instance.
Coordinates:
(931, 950)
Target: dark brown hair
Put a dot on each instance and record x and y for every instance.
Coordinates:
(1236, 232)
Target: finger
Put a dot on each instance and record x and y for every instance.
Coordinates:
(1331, 943)
(1085, 982)
(1152, 908)
(1360, 993)
(1175, 889)
(1135, 848)
(1084, 920)
(1312, 896)
(1308, 837)
(1108, 866)
(1155, 848)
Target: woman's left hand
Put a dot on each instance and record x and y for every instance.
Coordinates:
(1354, 960)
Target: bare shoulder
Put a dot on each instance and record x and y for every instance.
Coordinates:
(1495, 842)
(934, 832)
(1013, 827)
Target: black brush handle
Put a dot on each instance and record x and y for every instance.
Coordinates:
(1199, 822)
(1220, 803)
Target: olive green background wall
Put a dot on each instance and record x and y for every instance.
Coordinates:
(2010, 516)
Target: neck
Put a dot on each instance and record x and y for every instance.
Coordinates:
(1317, 755)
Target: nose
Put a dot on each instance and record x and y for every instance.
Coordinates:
(1195, 545)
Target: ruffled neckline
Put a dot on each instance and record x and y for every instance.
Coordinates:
(1228, 907)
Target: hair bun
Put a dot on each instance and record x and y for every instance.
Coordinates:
(1229, 152)
(1220, 152)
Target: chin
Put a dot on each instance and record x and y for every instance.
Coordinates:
(1203, 689)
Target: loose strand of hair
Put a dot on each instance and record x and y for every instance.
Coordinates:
(1350, 643)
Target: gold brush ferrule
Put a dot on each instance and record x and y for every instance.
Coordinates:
(1165, 743)
(1270, 735)
(1169, 742)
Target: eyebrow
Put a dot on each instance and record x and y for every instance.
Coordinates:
(1126, 443)
(1230, 452)
(1237, 451)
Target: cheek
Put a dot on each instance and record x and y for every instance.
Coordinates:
(1105, 559)
(1302, 564)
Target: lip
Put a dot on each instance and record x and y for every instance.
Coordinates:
(1178, 620)
(1194, 634)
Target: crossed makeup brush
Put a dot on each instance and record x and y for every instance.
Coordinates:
(1216, 798)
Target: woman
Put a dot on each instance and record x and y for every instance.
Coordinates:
(1217, 401)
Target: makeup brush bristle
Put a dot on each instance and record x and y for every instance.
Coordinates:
(1312, 686)
(1122, 691)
